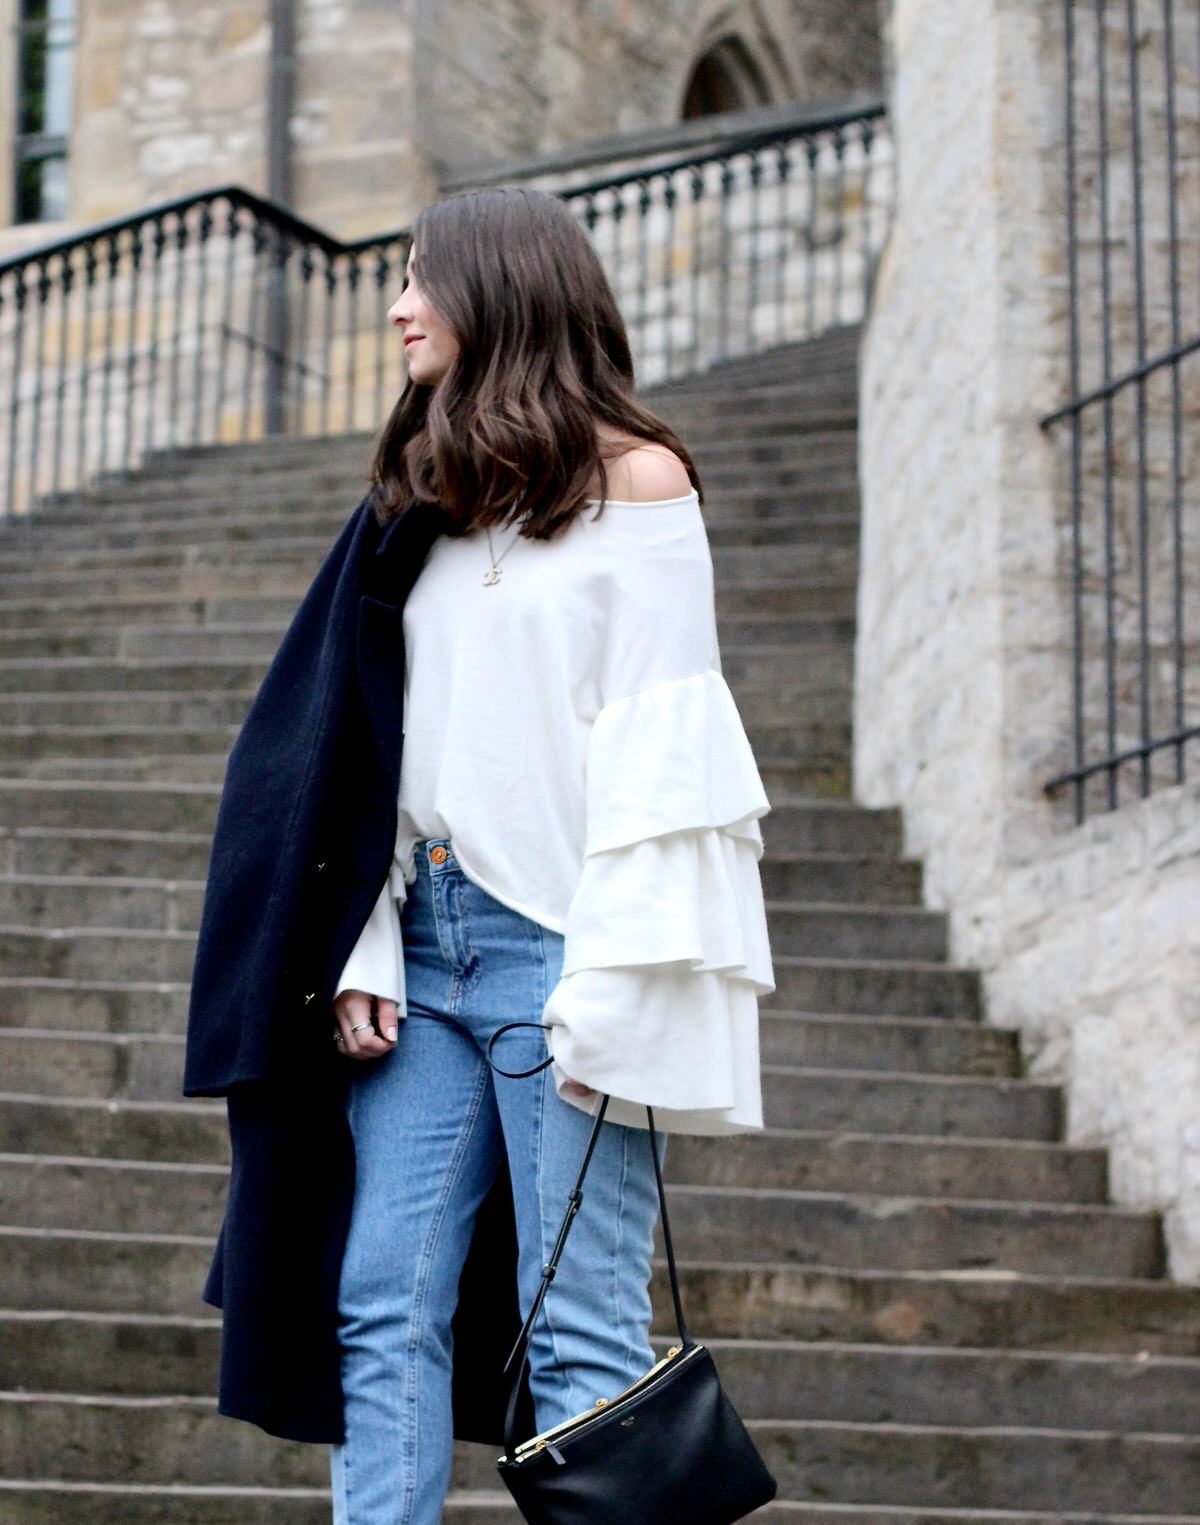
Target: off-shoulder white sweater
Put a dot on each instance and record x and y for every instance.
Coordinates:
(570, 730)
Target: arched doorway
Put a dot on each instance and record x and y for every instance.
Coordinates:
(725, 78)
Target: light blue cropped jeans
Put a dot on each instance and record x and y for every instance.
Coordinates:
(430, 1120)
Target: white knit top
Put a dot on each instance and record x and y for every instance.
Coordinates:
(570, 731)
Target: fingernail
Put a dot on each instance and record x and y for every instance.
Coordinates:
(391, 1032)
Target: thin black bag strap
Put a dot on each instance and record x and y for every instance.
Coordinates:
(520, 1349)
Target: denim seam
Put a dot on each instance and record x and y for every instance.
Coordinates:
(421, 1288)
(549, 1096)
(622, 1323)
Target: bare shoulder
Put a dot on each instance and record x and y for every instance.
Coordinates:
(648, 473)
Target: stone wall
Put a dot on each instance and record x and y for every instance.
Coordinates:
(1088, 936)
(391, 94)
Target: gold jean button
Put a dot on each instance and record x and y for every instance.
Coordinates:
(439, 854)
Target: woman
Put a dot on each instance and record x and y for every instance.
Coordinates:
(576, 844)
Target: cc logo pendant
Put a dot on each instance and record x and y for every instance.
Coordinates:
(491, 577)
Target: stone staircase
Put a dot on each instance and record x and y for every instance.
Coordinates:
(918, 1295)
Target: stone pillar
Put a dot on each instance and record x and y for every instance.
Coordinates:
(1088, 937)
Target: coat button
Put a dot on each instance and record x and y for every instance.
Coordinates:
(439, 854)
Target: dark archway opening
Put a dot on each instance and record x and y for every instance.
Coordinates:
(726, 78)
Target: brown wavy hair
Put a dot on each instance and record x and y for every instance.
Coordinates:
(543, 354)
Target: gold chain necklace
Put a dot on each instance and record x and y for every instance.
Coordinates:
(490, 579)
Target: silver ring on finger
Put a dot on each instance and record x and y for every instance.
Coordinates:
(361, 1026)
(337, 1038)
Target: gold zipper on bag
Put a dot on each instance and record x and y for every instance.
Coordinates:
(538, 1442)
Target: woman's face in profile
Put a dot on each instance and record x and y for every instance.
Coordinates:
(429, 345)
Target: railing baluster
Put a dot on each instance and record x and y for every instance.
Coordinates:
(812, 149)
(669, 197)
(258, 241)
(157, 245)
(232, 229)
(107, 360)
(204, 224)
(1143, 507)
(177, 329)
(90, 265)
(39, 339)
(783, 166)
(1110, 570)
(19, 299)
(326, 379)
(65, 282)
(352, 279)
(1178, 648)
(752, 252)
(135, 251)
(727, 183)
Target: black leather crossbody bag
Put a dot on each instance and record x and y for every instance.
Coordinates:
(669, 1450)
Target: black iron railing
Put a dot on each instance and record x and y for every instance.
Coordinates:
(1133, 418)
(221, 317)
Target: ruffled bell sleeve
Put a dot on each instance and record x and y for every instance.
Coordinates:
(666, 948)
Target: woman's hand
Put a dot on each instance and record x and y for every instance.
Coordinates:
(352, 1008)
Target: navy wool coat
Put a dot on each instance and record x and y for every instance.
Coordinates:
(303, 845)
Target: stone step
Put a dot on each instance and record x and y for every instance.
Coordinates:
(130, 1114)
(205, 579)
(964, 1168)
(977, 1308)
(926, 1106)
(215, 604)
(857, 1231)
(291, 565)
(788, 667)
(321, 469)
(197, 540)
(729, 494)
(845, 877)
(109, 1272)
(875, 987)
(894, 1044)
(808, 588)
(146, 807)
(864, 1232)
(120, 1504)
(184, 1440)
(62, 752)
(171, 708)
(260, 640)
(92, 1006)
(820, 774)
(833, 929)
(35, 1502)
(182, 769)
(797, 823)
(53, 535)
(81, 852)
(1061, 1472)
(61, 901)
(147, 1356)
(816, 463)
(35, 617)
(148, 1067)
(97, 953)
